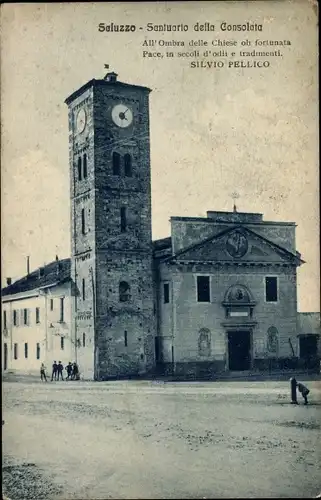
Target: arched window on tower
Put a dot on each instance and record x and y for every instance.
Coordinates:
(128, 165)
(116, 164)
(85, 166)
(124, 291)
(79, 169)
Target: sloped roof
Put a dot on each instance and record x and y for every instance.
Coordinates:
(162, 243)
(96, 83)
(199, 244)
(56, 272)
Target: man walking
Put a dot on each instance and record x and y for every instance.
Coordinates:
(69, 369)
(59, 370)
(75, 372)
(54, 371)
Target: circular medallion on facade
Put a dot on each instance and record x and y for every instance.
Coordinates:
(236, 244)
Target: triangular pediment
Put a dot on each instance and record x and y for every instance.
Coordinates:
(238, 244)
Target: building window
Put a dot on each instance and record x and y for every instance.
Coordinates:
(62, 343)
(272, 340)
(83, 221)
(5, 356)
(125, 338)
(83, 289)
(157, 349)
(203, 289)
(38, 351)
(51, 304)
(15, 317)
(37, 315)
(271, 289)
(124, 291)
(166, 293)
(85, 166)
(25, 316)
(62, 310)
(5, 319)
(15, 351)
(26, 350)
(84, 340)
(79, 169)
(123, 220)
(204, 342)
(116, 164)
(128, 165)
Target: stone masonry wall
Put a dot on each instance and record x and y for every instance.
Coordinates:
(82, 245)
(123, 256)
(190, 316)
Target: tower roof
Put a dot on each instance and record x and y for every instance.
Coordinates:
(110, 80)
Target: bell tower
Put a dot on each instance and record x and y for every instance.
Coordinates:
(110, 191)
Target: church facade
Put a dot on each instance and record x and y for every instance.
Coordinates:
(218, 295)
(227, 294)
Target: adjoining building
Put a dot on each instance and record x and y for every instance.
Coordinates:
(36, 319)
(219, 294)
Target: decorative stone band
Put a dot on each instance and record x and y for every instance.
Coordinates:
(234, 323)
(222, 264)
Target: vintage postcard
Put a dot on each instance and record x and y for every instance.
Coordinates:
(160, 250)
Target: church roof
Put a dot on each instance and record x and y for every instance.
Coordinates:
(57, 272)
(195, 246)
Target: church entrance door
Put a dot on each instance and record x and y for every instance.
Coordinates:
(239, 350)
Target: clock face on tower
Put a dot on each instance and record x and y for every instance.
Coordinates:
(81, 120)
(122, 115)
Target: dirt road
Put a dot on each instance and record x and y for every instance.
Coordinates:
(89, 440)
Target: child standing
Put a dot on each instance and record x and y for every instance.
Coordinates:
(304, 391)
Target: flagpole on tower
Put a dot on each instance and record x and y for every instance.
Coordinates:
(235, 196)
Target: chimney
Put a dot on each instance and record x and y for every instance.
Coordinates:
(57, 265)
(28, 265)
(9, 281)
(41, 272)
(111, 77)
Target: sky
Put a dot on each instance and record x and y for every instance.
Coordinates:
(213, 131)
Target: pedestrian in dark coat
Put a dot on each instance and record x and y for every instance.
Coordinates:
(75, 372)
(59, 370)
(69, 369)
(54, 371)
(304, 391)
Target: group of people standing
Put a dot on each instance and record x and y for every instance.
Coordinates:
(72, 370)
